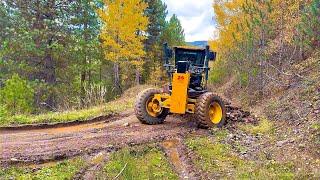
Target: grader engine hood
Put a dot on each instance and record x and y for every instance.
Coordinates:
(179, 95)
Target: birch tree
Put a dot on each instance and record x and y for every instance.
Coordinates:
(122, 34)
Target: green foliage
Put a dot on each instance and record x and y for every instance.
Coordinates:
(17, 95)
(156, 13)
(3, 114)
(310, 25)
(65, 58)
(56, 55)
(219, 72)
(72, 115)
(146, 163)
(125, 102)
(61, 170)
(173, 33)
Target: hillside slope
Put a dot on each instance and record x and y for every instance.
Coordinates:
(289, 136)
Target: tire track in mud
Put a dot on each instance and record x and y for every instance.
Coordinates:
(175, 152)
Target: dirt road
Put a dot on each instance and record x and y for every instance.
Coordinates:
(43, 145)
(56, 143)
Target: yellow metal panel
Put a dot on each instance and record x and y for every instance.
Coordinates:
(179, 95)
(191, 108)
(164, 100)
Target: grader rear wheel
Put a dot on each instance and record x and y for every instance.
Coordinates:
(210, 110)
(148, 109)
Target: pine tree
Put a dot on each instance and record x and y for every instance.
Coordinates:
(156, 13)
(85, 43)
(53, 43)
(173, 33)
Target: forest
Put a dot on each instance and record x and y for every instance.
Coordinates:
(61, 55)
(84, 93)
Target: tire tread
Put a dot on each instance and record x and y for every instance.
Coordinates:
(141, 112)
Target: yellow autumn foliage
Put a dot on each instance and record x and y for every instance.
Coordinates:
(229, 18)
(123, 31)
(234, 22)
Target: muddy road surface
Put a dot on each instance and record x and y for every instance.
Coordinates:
(40, 145)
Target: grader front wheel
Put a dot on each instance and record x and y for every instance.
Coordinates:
(148, 109)
(210, 110)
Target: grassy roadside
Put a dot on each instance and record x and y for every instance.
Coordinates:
(261, 151)
(144, 162)
(67, 116)
(125, 102)
(61, 170)
(219, 161)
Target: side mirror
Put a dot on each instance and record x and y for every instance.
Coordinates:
(168, 53)
(212, 56)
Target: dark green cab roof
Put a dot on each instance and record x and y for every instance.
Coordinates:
(190, 48)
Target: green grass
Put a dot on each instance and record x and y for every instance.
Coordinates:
(264, 127)
(80, 115)
(219, 134)
(141, 163)
(213, 157)
(316, 126)
(219, 160)
(315, 134)
(269, 170)
(62, 170)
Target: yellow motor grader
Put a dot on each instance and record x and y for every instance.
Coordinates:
(187, 91)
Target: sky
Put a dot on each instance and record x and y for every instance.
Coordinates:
(196, 17)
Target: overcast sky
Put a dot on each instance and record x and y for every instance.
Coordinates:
(196, 17)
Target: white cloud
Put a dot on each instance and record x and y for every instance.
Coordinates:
(196, 17)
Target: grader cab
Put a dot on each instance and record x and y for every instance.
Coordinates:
(187, 91)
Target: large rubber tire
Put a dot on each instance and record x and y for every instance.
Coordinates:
(141, 109)
(202, 110)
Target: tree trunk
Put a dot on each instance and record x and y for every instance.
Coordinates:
(262, 62)
(82, 88)
(137, 77)
(85, 72)
(116, 74)
(50, 64)
(50, 78)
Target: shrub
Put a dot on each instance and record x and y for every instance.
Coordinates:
(3, 113)
(17, 95)
(219, 72)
